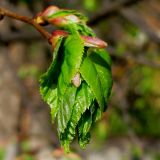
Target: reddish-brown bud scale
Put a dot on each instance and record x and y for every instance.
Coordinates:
(41, 17)
(94, 42)
(49, 11)
(45, 17)
(72, 18)
(88, 41)
(56, 35)
(63, 21)
(60, 33)
(59, 21)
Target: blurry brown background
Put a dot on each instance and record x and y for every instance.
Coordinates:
(130, 129)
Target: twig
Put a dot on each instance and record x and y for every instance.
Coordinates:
(25, 19)
(135, 60)
(137, 19)
(111, 10)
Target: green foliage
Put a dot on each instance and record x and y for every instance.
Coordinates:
(117, 126)
(2, 153)
(136, 153)
(29, 71)
(145, 113)
(157, 156)
(28, 157)
(101, 131)
(76, 107)
(90, 5)
(147, 119)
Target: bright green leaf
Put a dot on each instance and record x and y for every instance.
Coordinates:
(90, 75)
(73, 50)
(65, 104)
(48, 80)
(84, 98)
(102, 63)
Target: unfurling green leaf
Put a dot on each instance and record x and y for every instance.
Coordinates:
(83, 101)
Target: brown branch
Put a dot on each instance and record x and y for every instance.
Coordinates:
(25, 36)
(32, 36)
(5, 12)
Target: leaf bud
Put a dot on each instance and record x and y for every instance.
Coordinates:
(64, 20)
(76, 81)
(40, 18)
(49, 11)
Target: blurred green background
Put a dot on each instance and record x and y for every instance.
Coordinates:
(130, 129)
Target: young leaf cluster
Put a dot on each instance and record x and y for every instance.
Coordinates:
(78, 82)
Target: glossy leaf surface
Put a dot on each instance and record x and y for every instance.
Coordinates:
(90, 75)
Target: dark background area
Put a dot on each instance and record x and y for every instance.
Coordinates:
(130, 129)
